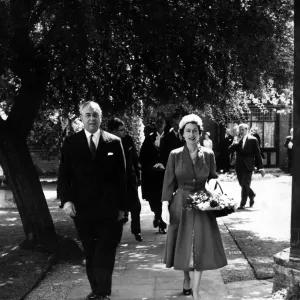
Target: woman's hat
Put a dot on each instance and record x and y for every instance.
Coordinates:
(191, 118)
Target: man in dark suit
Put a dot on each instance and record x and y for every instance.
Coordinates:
(117, 127)
(153, 171)
(289, 145)
(92, 182)
(172, 139)
(247, 157)
(224, 156)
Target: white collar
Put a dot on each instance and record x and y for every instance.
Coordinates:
(95, 135)
(159, 135)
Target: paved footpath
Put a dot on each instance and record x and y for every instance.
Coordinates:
(140, 274)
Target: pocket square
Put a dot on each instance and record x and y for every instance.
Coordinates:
(110, 153)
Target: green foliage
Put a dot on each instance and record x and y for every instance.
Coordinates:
(134, 56)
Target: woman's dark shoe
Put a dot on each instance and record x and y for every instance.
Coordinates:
(186, 292)
(92, 296)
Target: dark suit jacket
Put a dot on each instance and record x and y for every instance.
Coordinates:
(256, 135)
(224, 144)
(223, 160)
(132, 162)
(96, 187)
(169, 142)
(152, 178)
(249, 156)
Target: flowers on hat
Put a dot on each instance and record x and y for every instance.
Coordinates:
(191, 118)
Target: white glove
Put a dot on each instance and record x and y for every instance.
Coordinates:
(165, 215)
(210, 186)
(69, 209)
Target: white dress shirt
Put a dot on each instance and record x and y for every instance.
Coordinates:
(244, 140)
(96, 137)
(158, 137)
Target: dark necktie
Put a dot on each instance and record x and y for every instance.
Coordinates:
(92, 147)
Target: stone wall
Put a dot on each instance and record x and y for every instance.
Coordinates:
(45, 164)
(287, 271)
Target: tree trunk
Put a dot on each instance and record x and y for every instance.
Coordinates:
(295, 220)
(18, 166)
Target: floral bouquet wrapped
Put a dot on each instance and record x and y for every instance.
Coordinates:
(215, 201)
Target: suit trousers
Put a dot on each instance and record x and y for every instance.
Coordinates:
(99, 243)
(244, 178)
(134, 206)
(290, 160)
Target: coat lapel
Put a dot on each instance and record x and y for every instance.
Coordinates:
(187, 161)
(103, 140)
(199, 161)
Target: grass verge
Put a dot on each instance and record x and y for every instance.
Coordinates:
(20, 271)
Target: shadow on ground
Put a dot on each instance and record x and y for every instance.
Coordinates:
(21, 270)
(258, 250)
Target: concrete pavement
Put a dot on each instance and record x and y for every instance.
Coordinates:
(140, 274)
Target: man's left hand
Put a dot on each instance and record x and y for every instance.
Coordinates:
(262, 172)
(121, 215)
(159, 166)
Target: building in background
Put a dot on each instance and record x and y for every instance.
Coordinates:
(272, 129)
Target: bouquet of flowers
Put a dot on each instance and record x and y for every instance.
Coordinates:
(216, 201)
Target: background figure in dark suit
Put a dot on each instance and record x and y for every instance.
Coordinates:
(117, 127)
(224, 156)
(247, 157)
(172, 139)
(254, 132)
(289, 145)
(92, 182)
(148, 129)
(153, 171)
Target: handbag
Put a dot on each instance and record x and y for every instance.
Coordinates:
(225, 211)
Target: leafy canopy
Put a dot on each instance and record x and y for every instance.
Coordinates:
(202, 53)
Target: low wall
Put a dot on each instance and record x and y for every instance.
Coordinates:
(45, 163)
(6, 198)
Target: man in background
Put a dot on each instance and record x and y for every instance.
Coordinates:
(289, 145)
(224, 156)
(172, 138)
(117, 127)
(247, 157)
(153, 171)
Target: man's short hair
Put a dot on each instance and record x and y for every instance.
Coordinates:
(87, 103)
(114, 123)
(244, 125)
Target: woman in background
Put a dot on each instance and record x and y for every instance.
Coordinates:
(207, 142)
